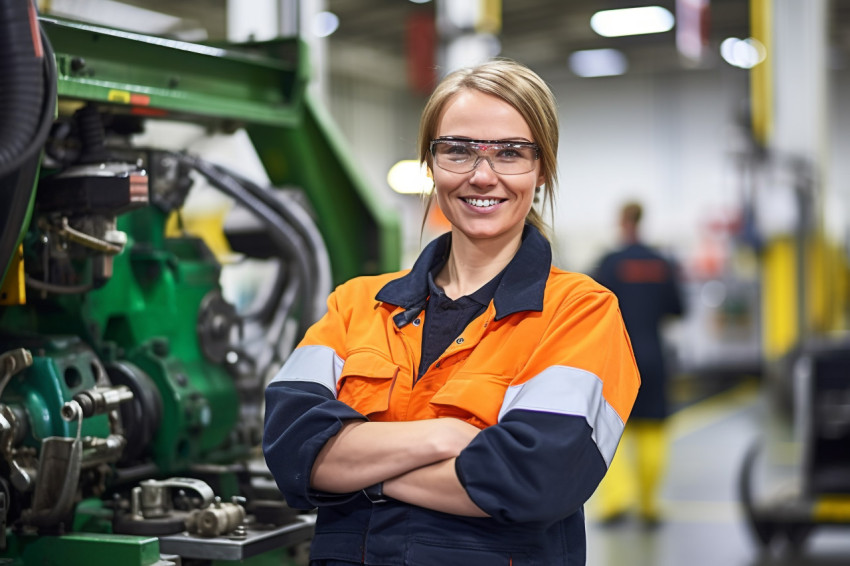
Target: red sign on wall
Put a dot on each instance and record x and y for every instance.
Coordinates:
(421, 43)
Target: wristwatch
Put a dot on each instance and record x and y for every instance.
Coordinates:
(375, 493)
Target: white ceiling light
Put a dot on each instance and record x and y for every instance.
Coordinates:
(598, 63)
(743, 53)
(325, 23)
(632, 21)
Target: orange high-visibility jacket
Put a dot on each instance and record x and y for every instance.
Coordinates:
(547, 372)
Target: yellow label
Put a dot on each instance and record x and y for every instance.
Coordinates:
(12, 288)
(121, 96)
(835, 508)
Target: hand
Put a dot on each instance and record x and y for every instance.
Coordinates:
(453, 435)
(364, 453)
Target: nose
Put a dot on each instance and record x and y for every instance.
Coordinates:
(483, 175)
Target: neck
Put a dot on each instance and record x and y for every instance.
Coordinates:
(472, 263)
(630, 236)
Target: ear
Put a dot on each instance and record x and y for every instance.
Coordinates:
(540, 180)
(429, 174)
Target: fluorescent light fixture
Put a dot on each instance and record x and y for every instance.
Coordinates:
(598, 63)
(124, 16)
(325, 23)
(632, 21)
(420, 1)
(409, 177)
(743, 53)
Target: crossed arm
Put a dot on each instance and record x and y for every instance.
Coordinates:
(415, 460)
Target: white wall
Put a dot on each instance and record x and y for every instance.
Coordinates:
(666, 140)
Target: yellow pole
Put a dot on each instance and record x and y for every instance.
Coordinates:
(761, 76)
(779, 284)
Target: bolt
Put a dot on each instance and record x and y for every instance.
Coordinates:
(160, 347)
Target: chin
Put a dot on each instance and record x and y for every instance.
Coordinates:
(484, 233)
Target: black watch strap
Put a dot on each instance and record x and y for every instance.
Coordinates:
(375, 493)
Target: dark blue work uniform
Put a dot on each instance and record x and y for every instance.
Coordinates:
(646, 285)
(546, 368)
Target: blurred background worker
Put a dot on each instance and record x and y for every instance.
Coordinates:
(647, 286)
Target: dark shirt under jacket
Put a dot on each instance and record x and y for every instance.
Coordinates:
(446, 319)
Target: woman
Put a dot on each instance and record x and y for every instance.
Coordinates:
(463, 411)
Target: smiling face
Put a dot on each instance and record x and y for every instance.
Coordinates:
(481, 204)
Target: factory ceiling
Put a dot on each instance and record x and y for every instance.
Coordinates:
(371, 36)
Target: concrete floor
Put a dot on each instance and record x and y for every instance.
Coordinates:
(704, 522)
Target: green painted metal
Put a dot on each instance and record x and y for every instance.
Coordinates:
(362, 234)
(147, 314)
(148, 311)
(83, 549)
(139, 71)
(61, 368)
(91, 516)
(261, 87)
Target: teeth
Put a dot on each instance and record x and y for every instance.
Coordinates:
(482, 202)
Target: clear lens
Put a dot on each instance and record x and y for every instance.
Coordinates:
(460, 156)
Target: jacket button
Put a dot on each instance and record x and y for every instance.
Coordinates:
(416, 322)
(459, 340)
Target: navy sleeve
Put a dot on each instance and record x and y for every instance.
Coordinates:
(532, 466)
(676, 305)
(300, 418)
(603, 272)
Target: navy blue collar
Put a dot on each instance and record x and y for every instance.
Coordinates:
(521, 287)
(481, 297)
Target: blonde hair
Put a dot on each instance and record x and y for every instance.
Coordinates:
(520, 87)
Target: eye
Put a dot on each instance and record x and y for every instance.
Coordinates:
(509, 153)
(455, 151)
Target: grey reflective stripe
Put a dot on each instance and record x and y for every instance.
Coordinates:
(570, 391)
(317, 364)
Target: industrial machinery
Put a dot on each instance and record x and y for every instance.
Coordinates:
(786, 497)
(131, 386)
(795, 478)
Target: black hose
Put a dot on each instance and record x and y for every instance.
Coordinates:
(27, 106)
(28, 94)
(299, 218)
(57, 289)
(282, 234)
(92, 135)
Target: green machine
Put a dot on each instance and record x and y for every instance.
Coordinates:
(131, 387)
